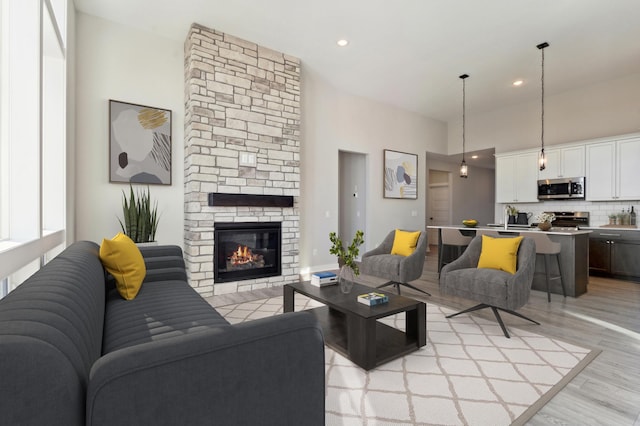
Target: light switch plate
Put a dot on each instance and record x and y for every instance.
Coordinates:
(247, 159)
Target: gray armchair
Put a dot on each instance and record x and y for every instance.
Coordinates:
(399, 270)
(493, 288)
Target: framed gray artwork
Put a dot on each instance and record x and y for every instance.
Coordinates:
(139, 144)
(400, 175)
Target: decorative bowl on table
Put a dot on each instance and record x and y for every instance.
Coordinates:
(470, 223)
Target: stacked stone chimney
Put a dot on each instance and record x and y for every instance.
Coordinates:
(242, 136)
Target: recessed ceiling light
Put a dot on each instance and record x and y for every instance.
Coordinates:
(518, 83)
(474, 156)
(343, 42)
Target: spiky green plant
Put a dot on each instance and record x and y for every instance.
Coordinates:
(140, 216)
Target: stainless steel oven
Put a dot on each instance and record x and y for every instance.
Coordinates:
(561, 189)
(571, 220)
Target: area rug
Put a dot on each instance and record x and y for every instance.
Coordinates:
(469, 373)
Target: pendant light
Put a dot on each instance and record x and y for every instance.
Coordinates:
(542, 160)
(464, 170)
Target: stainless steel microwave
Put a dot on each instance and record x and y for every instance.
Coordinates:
(561, 189)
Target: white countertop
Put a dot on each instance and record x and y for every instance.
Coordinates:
(520, 230)
(611, 228)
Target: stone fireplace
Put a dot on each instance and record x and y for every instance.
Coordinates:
(246, 250)
(242, 137)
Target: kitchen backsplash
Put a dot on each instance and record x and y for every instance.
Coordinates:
(598, 211)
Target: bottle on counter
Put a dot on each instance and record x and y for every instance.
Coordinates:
(623, 218)
(632, 217)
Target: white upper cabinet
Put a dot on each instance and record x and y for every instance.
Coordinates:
(566, 162)
(516, 178)
(628, 168)
(613, 170)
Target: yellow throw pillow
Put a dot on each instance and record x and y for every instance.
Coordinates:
(499, 253)
(404, 242)
(122, 258)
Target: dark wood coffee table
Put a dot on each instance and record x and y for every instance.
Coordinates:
(351, 329)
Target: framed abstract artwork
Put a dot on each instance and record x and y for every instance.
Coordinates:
(400, 175)
(139, 144)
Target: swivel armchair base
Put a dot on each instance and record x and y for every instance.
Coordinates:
(496, 313)
(397, 286)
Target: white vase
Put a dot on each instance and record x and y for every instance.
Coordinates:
(346, 279)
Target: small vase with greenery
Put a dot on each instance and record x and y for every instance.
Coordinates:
(346, 259)
(347, 256)
(140, 216)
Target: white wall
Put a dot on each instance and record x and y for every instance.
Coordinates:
(605, 109)
(333, 121)
(120, 63)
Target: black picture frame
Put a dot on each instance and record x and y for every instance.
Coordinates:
(139, 144)
(400, 174)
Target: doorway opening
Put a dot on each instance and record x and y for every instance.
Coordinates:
(352, 202)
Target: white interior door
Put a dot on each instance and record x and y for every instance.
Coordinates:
(439, 208)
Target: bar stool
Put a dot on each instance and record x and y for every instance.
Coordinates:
(548, 248)
(487, 232)
(452, 237)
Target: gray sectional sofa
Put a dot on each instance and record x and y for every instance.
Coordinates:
(73, 352)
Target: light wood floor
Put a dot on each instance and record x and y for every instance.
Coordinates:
(607, 317)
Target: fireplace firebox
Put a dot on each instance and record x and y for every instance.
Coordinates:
(246, 250)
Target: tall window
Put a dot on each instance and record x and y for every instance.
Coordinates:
(32, 135)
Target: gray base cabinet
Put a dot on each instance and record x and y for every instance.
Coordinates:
(615, 254)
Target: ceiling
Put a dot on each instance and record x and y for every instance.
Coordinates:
(409, 53)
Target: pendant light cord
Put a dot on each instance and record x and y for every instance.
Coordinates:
(464, 108)
(542, 113)
(543, 160)
(463, 165)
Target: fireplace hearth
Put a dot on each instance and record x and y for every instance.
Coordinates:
(246, 250)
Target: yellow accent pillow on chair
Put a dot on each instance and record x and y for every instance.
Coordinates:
(404, 242)
(122, 258)
(499, 253)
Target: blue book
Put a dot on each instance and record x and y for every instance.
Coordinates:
(373, 298)
(326, 274)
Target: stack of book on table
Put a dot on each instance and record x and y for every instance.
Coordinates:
(373, 298)
(322, 279)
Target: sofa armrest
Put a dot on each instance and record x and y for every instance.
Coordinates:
(165, 274)
(160, 251)
(163, 262)
(267, 371)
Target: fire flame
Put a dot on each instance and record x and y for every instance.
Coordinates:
(242, 256)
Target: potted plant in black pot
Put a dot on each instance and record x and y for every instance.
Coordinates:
(140, 221)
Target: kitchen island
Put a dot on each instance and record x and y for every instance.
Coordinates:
(574, 255)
